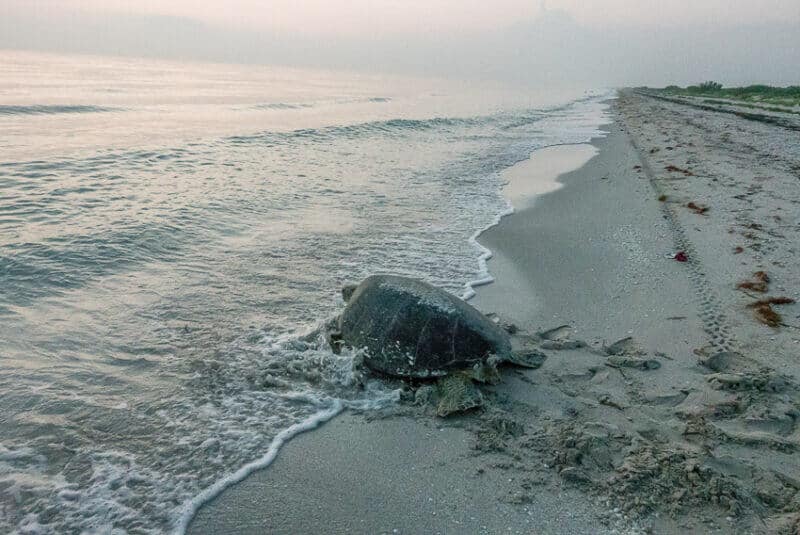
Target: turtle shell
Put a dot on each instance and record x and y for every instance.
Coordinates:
(409, 328)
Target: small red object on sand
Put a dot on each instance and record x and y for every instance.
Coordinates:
(680, 256)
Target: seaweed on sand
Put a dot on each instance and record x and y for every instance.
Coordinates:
(674, 169)
(764, 312)
(759, 283)
(697, 208)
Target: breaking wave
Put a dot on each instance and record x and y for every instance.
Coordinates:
(44, 109)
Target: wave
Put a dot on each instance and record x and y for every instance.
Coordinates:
(35, 169)
(306, 105)
(282, 106)
(29, 271)
(504, 120)
(389, 126)
(45, 109)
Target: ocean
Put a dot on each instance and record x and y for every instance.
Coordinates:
(172, 236)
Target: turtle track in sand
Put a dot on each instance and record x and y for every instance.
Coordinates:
(715, 323)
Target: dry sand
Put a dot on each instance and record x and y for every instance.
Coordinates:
(690, 425)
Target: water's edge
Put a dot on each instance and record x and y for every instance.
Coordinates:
(485, 278)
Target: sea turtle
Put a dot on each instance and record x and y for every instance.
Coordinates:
(411, 329)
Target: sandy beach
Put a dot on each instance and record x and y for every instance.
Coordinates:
(667, 404)
(387, 267)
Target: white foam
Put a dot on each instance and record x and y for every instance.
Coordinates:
(484, 277)
(190, 509)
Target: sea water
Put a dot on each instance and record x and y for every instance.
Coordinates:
(172, 234)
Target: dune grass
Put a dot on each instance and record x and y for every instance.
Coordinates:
(751, 96)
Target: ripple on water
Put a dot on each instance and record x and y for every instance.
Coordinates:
(159, 306)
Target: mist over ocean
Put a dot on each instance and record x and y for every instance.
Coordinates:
(169, 232)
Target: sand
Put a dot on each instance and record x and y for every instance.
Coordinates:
(393, 475)
(687, 425)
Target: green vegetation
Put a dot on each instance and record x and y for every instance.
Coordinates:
(756, 95)
(709, 87)
(742, 104)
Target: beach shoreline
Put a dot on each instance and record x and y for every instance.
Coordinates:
(654, 422)
(374, 499)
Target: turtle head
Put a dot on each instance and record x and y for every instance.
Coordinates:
(347, 291)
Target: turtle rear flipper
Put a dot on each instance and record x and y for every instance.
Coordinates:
(457, 393)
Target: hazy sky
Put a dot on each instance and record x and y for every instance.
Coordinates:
(613, 41)
(355, 17)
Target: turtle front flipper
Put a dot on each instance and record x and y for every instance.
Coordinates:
(335, 341)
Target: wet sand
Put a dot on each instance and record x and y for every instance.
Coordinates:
(687, 425)
(531, 178)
